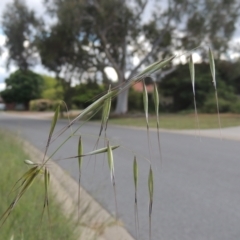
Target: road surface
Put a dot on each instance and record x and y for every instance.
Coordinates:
(196, 188)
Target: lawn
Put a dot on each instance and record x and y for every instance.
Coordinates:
(181, 121)
(25, 220)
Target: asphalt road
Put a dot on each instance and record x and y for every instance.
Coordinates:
(196, 189)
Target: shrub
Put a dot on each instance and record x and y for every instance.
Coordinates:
(210, 105)
(41, 105)
(235, 107)
(85, 94)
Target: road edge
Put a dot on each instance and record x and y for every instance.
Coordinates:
(96, 222)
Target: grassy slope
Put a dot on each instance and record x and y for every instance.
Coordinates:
(25, 220)
(178, 121)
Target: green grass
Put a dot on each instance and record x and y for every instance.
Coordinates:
(179, 121)
(25, 220)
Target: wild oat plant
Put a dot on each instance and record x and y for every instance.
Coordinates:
(104, 104)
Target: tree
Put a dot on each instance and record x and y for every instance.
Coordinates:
(22, 86)
(20, 25)
(178, 86)
(51, 89)
(230, 73)
(85, 94)
(115, 35)
(62, 52)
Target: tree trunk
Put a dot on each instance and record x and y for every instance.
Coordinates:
(122, 102)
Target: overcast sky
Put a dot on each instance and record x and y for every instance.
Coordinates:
(37, 6)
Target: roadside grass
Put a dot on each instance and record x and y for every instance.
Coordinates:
(181, 121)
(25, 221)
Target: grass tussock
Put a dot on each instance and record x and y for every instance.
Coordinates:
(25, 221)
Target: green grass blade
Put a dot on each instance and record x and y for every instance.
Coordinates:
(192, 74)
(153, 68)
(156, 103)
(54, 121)
(156, 99)
(110, 160)
(212, 67)
(24, 177)
(95, 106)
(105, 116)
(53, 124)
(111, 168)
(145, 102)
(98, 151)
(219, 119)
(105, 112)
(80, 153)
(27, 182)
(46, 198)
(150, 189)
(98, 103)
(107, 109)
(6, 214)
(135, 178)
(213, 72)
(135, 172)
(150, 184)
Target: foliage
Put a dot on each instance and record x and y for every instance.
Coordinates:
(45, 105)
(178, 85)
(135, 100)
(40, 105)
(51, 89)
(22, 86)
(84, 94)
(235, 107)
(228, 102)
(85, 39)
(230, 73)
(63, 53)
(210, 105)
(19, 24)
(24, 223)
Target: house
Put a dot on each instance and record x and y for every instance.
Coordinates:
(2, 104)
(138, 87)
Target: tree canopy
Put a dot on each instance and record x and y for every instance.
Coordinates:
(88, 36)
(178, 86)
(20, 25)
(22, 86)
(51, 88)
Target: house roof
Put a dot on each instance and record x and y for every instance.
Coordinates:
(138, 87)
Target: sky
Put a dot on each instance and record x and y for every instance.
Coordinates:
(37, 6)
(39, 9)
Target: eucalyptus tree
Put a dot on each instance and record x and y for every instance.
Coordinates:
(62, 54)
(20, 25)
(112, 33)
